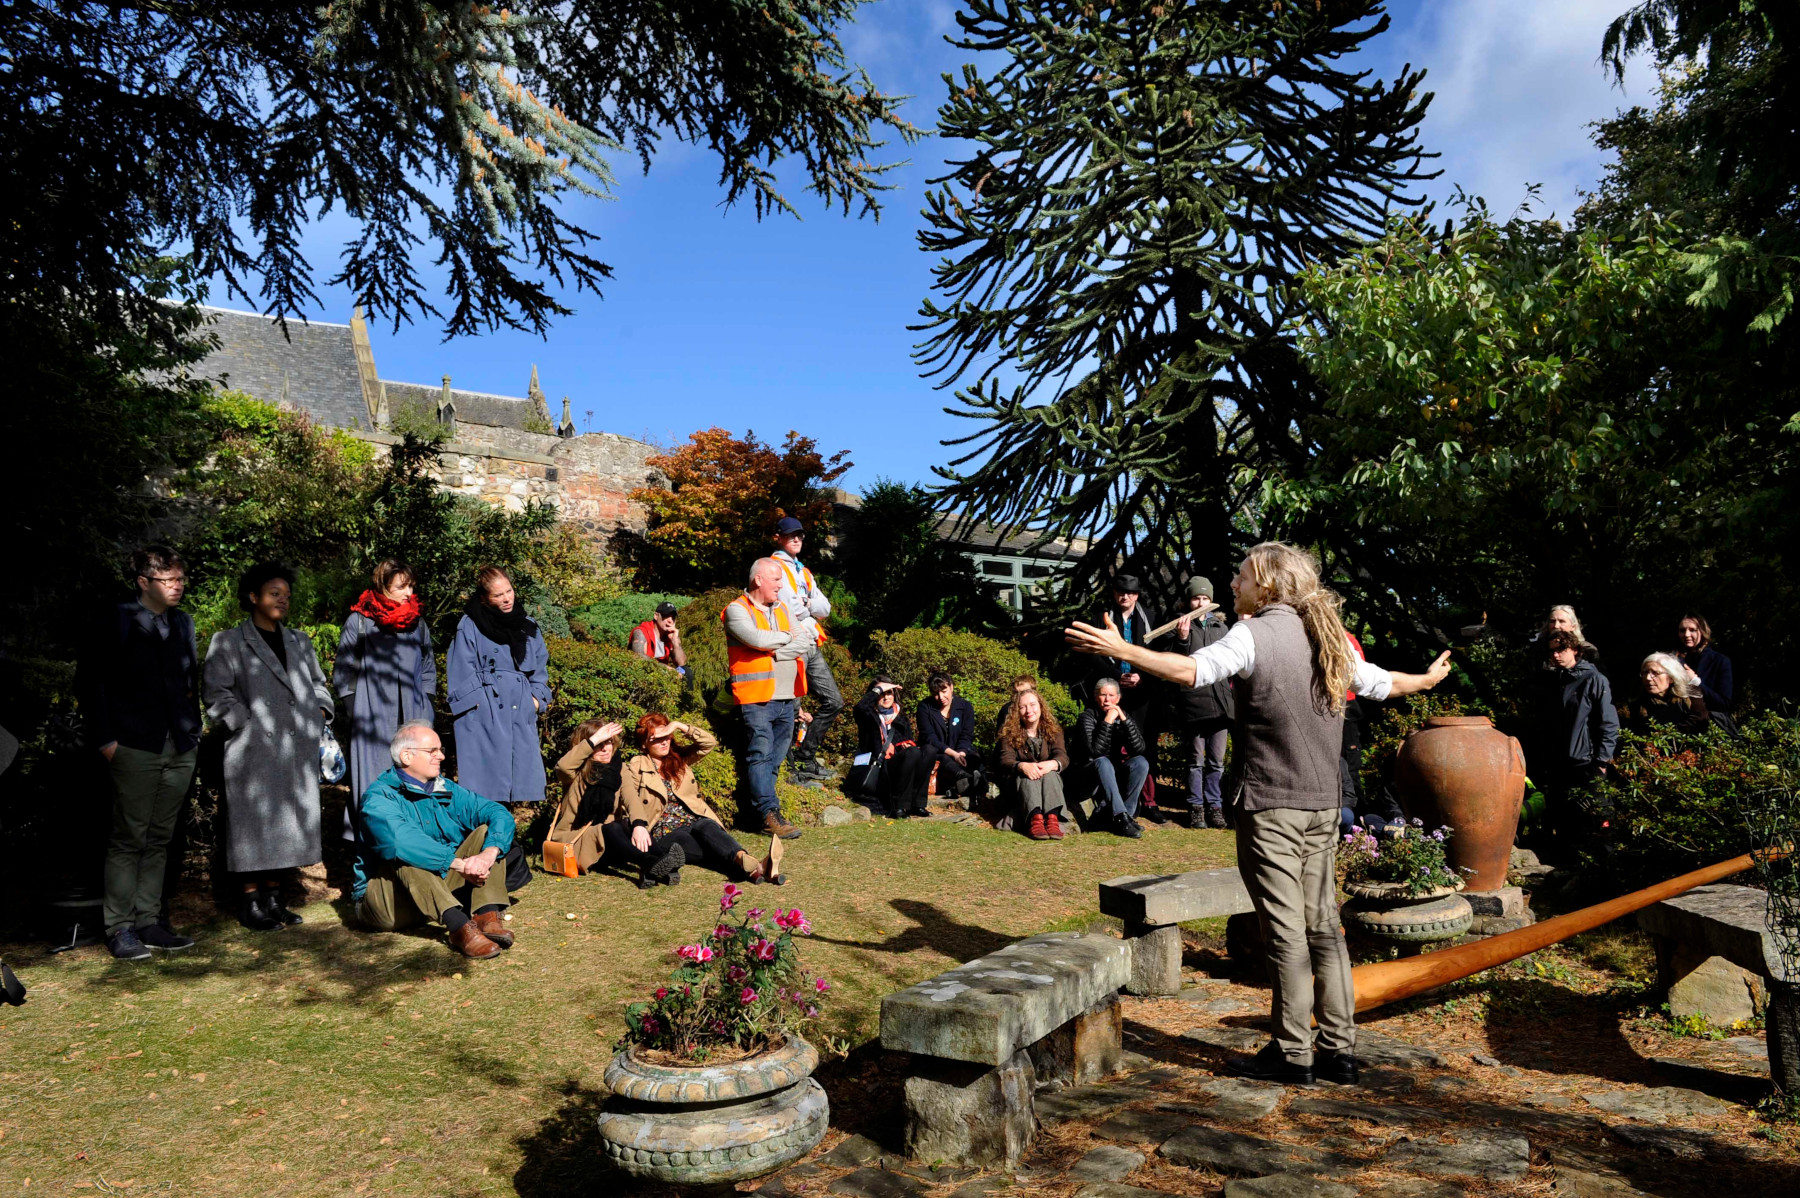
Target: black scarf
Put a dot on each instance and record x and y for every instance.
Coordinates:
(512, 628)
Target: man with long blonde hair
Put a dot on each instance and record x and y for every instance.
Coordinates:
(1292, 664)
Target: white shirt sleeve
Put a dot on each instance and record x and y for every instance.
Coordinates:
(1371, 681)
(1234, 654)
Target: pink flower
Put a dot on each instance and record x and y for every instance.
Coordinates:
(702, 953)
(812, 1012)
(662, 992)
(651, 1025)
(789, 919)
(722, 933)
(755, 913)
(747, 997)
(729, 901)
(735, 974)
(763, 950)
(689, 952)
(821, 985)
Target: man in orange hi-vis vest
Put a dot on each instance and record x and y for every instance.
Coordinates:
(767, 655)
(806, 605)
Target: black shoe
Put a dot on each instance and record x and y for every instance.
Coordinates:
(1196, 818)
(1215, 817)
(124, 945)
(1127, 827)
(1270, 1065)
(253, 915)
(1153, 814)
(658, 871)
(271, 901)
(674, 878)
(12, 990)
(1339, 1067)
(160, 935)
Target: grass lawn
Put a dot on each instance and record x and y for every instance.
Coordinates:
(321, 1060)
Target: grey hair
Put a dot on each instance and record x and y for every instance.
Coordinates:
(1107, 684)
(757, 567)
(1573, 619)
(1679, 686)
(407, 737)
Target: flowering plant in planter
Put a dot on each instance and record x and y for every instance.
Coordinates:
(740, 985)
(1408, 855)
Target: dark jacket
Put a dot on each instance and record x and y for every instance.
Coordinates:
(868, 726)
(138, 688)
(1649, 712)
(422, 825)
(1716, 685)
(1134, 630)
(1576, 727)
(938, 732)
(1191, 705)
(1095, 738)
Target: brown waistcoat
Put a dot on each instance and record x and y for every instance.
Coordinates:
(1287, 748)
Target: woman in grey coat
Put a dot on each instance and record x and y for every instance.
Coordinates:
(386, 673)
(263, 683)
(499, 680)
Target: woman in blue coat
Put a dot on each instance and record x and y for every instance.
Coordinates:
(499, 682)
(386, 672)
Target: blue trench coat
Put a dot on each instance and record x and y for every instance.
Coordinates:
(386, 678)
(497, 753)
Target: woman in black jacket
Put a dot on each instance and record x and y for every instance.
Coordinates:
(1707, 668)
(884, 736)
(946, 727)
(1668, 698)
(1115, 750)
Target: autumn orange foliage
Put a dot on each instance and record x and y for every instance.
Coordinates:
(728, 492)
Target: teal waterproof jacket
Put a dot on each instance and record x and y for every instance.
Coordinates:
(422, 824)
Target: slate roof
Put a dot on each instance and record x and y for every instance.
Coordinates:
(472, 407)
(313, 367)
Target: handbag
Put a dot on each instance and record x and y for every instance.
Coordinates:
(871, 779)
(559, 859)
(331, 758)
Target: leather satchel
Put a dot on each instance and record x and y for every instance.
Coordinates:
(559, 859)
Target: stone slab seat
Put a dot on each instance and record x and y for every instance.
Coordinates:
(1151, 905)
(983, 1037)
(1716, 940)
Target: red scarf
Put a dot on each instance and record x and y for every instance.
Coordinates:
(395, 617)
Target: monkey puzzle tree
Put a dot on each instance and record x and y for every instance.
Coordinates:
(1144, 181)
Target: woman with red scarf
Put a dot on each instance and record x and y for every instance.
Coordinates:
(386, 673)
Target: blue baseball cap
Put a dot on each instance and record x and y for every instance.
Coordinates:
(787, 526)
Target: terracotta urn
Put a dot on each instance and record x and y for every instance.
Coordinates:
(710, 1125)
(1463, 772)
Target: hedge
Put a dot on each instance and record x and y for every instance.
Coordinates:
(603, 682)
(610, 621)
(983, 669)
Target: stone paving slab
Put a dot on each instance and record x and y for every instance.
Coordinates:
(1249, 1156)
(1575, 1183)
(1368, 1112)
(1477, 1155)
(1097, 1098)
(1287, 1185)
(982, 1187)
(1234, 1039)
(1160, 899)
(1143, 1127)
(854, 1151)
(1413, 1187)
(1374, 1048)
(1112, 1189)
(1240, 1100)
(991, 1007)
(1658, 1105)
(877, 1183)
(1108, 1162)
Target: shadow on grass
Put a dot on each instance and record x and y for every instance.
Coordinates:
(564, 1158)
(933, 929)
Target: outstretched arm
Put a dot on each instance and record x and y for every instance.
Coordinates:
(1409, 684)
(1106, 642)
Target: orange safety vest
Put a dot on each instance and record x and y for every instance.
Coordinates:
(752, 669)
(793, 582)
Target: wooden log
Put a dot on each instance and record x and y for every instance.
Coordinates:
(1390, 981)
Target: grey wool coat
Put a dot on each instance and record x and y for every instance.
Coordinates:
(386, 678)
(497, 752)
(272, 719)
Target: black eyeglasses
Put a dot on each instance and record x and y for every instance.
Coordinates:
(163, 577)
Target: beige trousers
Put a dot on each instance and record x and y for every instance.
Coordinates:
(1288, 862)
(405, 896)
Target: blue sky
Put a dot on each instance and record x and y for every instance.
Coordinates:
(714, 318)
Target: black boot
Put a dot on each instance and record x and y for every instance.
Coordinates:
(272, 904)
(1271, 1065)
(663, 868)
(253, 915)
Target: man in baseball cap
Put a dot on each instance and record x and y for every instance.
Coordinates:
(807, 605)
(658, 639)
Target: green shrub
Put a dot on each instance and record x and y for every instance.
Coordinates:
(611, 620)
(603, 682)
(718, 778)
(983, 670)
(704, 638)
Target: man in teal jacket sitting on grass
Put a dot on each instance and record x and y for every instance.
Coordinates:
(428, 848)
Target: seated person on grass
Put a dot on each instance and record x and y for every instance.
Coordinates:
(946, 727)
(662, 823)
(426, 850)
(590, 775)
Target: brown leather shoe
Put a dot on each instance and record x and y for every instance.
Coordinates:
(493, 926)
(774, 824)
(470, 942)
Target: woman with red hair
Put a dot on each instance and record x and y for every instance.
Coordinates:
(662, 821)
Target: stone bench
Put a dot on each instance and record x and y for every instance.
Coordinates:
(1151, 907)
(1715, 952)
(986, 1035)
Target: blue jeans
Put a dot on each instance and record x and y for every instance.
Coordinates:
(770, 729)
(1137, 770)
(1206, 762)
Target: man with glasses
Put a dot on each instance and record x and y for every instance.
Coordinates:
(139, 687)
(427, 850)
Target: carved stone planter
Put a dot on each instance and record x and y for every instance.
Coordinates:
(709, 1125)
(1385, 911)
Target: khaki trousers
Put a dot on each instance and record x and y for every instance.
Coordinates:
(148, 790)
(1288, 862)
(405, 896)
